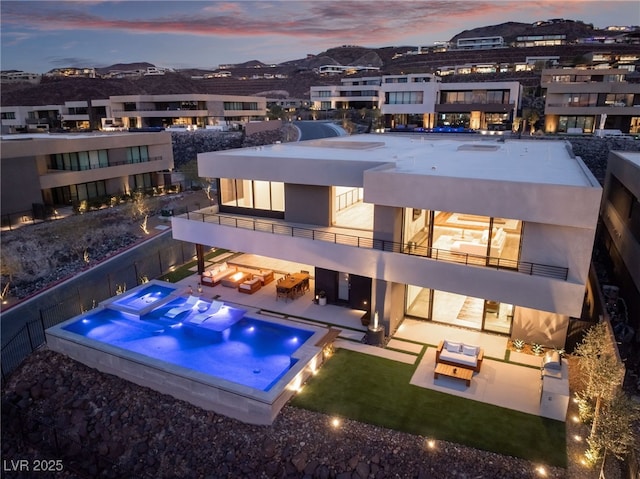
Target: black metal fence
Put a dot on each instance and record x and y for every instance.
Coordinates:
(86, 295)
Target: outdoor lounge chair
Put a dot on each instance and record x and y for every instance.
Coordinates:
(188, 305)
(213, 308)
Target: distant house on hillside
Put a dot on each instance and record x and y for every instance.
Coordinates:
(87, 72)
(18, 76)
(479, 43)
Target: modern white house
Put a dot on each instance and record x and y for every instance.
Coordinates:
(421, 100)
(585, 100)
(46, 171)
(489, 235)
(135, 111)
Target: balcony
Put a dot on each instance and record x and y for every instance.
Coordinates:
(366, 243)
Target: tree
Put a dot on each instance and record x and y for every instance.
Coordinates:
(530, 117)
(603, 375)
(275, 112)
(614, 432)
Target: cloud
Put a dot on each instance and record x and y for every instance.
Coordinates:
(15, 38)
(78, 62)
(356, 21)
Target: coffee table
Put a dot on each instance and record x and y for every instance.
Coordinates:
(458, 372)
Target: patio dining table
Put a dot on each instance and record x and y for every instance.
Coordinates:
(290, 285)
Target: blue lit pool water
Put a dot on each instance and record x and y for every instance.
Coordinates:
(251, 352)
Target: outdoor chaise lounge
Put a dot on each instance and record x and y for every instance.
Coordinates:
(188, 305)
(202, 316)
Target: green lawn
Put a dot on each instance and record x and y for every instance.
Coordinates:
(377, 391)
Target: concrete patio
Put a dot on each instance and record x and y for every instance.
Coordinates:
(507, 379)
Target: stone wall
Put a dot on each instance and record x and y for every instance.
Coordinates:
(187, 144)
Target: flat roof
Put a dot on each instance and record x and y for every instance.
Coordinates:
(67, 136)
(517, 160)
(630, 156)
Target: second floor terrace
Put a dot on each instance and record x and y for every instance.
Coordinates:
(535, 285)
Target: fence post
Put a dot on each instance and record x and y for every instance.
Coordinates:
(135, 268)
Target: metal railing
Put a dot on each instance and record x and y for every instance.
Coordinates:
(107, 165)
(410, 248)
(348, 198)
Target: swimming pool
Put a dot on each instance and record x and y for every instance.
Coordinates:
(215, 355)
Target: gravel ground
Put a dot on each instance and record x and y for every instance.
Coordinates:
(148, 434)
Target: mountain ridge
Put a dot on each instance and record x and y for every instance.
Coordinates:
(293, 78)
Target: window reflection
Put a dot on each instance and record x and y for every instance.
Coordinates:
(262, 195)
(458, 310)
(476, 239)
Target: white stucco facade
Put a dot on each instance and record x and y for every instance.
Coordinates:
(539, 183)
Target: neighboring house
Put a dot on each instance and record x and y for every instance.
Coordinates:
(135, 111)
(480, 43)
(588, 99)
(41, 172)
(18, 76)
(360, 92)
(420, 100)
(86, 72)
(487, 235)
(140, 111)
(620, 231)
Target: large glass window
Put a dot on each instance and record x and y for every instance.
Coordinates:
(262, 195)
(458, 310)
(137, 154)
(404, 97)
(142, 181)
(239, 105)
(475, 239)
(416, 230)
(418, 301)
(66, 195)
(581, 99)
(586, 123)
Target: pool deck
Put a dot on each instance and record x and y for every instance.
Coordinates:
(507, 379)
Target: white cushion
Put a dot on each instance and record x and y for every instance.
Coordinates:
(453, 347)
(252, 281)
(469, 350)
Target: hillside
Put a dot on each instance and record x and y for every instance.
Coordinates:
(511, 30)
(297, 76)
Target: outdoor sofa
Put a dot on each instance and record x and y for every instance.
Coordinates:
(216, 274)
(456, 353)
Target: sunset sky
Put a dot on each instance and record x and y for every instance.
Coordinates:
(38, 36)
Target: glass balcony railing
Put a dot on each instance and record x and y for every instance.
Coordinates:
(525, 267)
